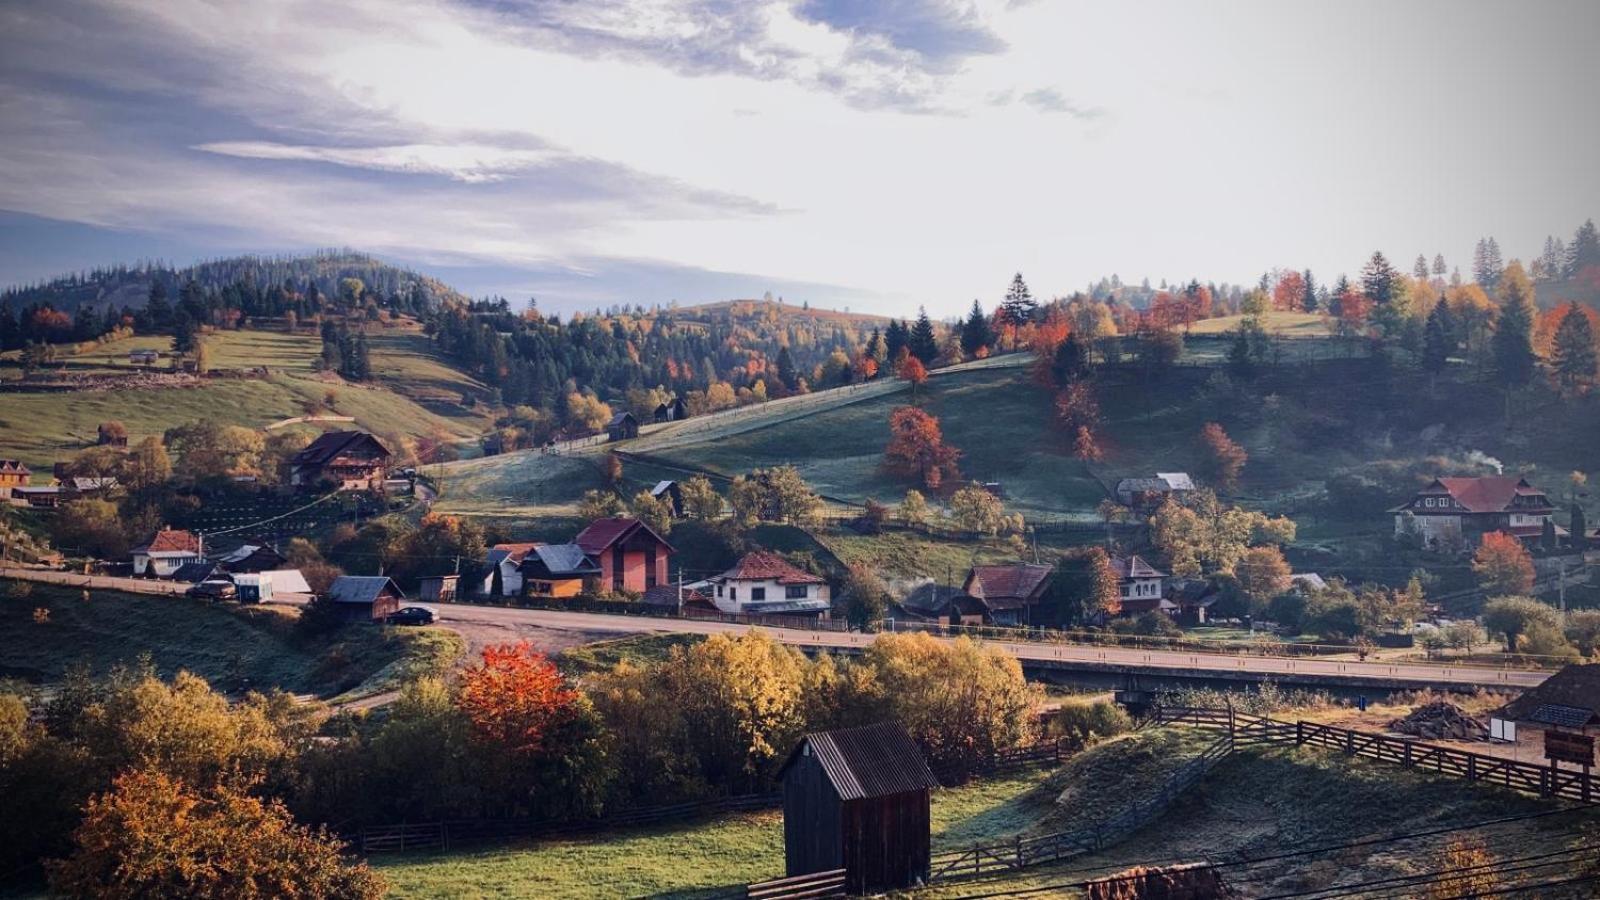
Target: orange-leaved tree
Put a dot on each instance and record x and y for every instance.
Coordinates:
(516, 697)
(1503, 565)
(917, 448)
(911, 369)
(1224, 458)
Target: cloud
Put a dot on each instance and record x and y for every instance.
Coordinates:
(939, 31)
(470, 163)
(1050, 100)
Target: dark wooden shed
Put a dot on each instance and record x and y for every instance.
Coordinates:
(858, 799)
(622, 427)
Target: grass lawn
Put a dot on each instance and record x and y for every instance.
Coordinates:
(1290, 324)
(603, 656)
(234, 647)
(691, 859)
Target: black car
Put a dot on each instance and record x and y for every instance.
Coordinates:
(411, 615)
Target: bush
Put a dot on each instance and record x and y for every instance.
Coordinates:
(1080, 724)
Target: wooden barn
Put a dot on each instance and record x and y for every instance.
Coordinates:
(858, 799)
(622, 427)
(673, 411)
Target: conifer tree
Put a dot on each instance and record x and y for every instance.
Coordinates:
(922, 343)
(156, 307)
(1439, 268)
(975, 333)
(1514, 359)
(895, 339)
(1420, 267)
(786, 370)
(1439, 338)
(1019, 305)
(1585, 249)
(1573, 356)
(1487, 264)
(1308, 295)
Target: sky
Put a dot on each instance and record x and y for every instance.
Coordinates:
(874, 155)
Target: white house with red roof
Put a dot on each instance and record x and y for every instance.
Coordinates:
(1453, 512)
(1141, 584)
(165, 553)
(764, 583)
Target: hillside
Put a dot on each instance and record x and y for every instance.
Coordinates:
(120, 286)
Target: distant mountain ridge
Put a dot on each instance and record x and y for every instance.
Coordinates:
(129, 285)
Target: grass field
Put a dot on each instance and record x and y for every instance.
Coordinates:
(691, 859)
(603, 656)
(1288, 324)
(234, 647)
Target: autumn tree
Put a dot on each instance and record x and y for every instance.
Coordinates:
(1290, 292)
(599, 505)
(913, 509)
(1573, 356)
(916, 448)
(153, 835)
(1469, 871)
(1201, 534)
(701, 501)
(1224, 459)
(866, 596)
(778, 494)
(89, 527)
(516, 697)
(1502, 564)
(975, 509)
(1262, 574)
(911, 369)
(654, 511)
(1083, 588)
(1513, 617)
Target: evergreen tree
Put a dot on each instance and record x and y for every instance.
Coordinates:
(1341, 287)
(975, 333)
(1439, 268)
(361, 365)
(156, 307)
(1514, 358)
(895, 339)
(874, 349)
(1019, 305)
(786, 370)
(1487, 264)
(1420, 267)
(1585, 249)
(1573, 356)
(1439, 338)
(1379, 280)
(1553, 261)
(10, 331)
(1308, 296)
(185, 331)
(922, 343)
(1071, 361)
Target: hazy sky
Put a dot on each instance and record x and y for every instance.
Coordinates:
(877, 154)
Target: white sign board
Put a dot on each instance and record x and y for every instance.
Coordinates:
(1502, 730)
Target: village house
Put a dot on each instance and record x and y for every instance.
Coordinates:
(945, 604)
(560, 570)
(13, 474)
(343, 460)
(77, 486)
(1193, 598)
(764, 583)
(672, 598)
(165, 553)
(365, 598)
(672, 411)
(669, 492)
(629, 554)
(503, 577)
(1138, 581)
(1458, 512)
(1010, 591)
(252, 558)
(38, 496)
(1147, 494)
(622, 427)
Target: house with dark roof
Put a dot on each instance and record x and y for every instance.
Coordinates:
(763, 583)
(1011, 591)
(945, 604)
(38, 496)
(858, 799)
(672, 411)
(1147, 494)
(1570, 698)
(503, 576)
(629, 553)
(365, 598)
(672, 494)
(165, 552)
(1194, 598)
(252, 558)
(622, 426)
(341, 460)
(13, 474)
(673, 598)
(1140, 583)
(558, 570)
(1457, 512)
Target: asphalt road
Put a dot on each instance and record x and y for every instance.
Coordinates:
(597, 623)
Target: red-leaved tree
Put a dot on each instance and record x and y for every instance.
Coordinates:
(1503, 565)
(1224, 458)
(917, 448)
(516, 697)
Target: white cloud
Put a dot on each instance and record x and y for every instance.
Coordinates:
(470, 163)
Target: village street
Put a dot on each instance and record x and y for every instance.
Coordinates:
(530, 623)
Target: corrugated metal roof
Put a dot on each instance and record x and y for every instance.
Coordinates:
(565, 559)
(1565, 716)
(871, 761)
(359, 588)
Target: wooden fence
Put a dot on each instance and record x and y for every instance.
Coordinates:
(817, 884)
(1529, 778)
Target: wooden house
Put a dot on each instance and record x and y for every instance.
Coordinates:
(1145, 495)
(341, 460)
(1139, 583)
(252, 558)
(629, 554)
(670, 492)
(945, 604)
(1010, 591)
(622, 426)
(557, 571)
(1458, 512)
(365, 598)
(13, 474)
(672, 411)
(165, 552)
(144, 357)
(858, 799)
(437, 588)
(38, 496)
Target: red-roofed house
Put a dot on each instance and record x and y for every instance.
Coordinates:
(1141, 585)
(1011, 591)
(1458, 511)
(165, 553)
(631, 556)
(764, 583)
(12, 474)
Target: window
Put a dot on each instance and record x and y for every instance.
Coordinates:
(796, 592)
(758, 594)
(719, 590)
(733, 594)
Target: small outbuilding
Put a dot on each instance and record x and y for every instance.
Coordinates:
(670, 493)
(622, 426)
(672, 411)
(437, 588)
(858, 799)
(365, 598)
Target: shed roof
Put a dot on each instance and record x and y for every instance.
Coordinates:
(876, 760)
(290, 581)
(1576, 686)
(360, 588)
(196, 572)
(1134, 566)
(515, 553)
(1178, 481)
(1015, 582)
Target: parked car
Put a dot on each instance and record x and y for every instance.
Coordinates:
(411, 615)
(213, 590)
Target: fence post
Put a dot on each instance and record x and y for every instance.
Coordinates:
(1300, 731)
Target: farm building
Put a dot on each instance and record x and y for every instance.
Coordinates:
(629, 554)
(1146, 494)
(1455, 512)
(365, 598)
(622, 427)
(1010, 591)
(344, 460)
(764, 583)
(37, 496)
(672, 598)
(143, 357)
(672, 494)
(1194, 598)
(262, 587)
(672, 411)
(199, 570)
(1572, 695)
(945, 604)
(251, 558)
(437, 588)
(87, 486)
(504, 577)
(558, 570)
(165, 553)
(12, 474)
(858, 799)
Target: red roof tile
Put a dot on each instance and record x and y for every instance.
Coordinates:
(763, 565)
(13, 466)
(602, 533)
(170, 540)
(1489, 494)
(1017, 581)
(1134, 566)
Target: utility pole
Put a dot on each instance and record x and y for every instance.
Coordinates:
(1562, 590)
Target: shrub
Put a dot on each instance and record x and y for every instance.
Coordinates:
(1080, 724)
